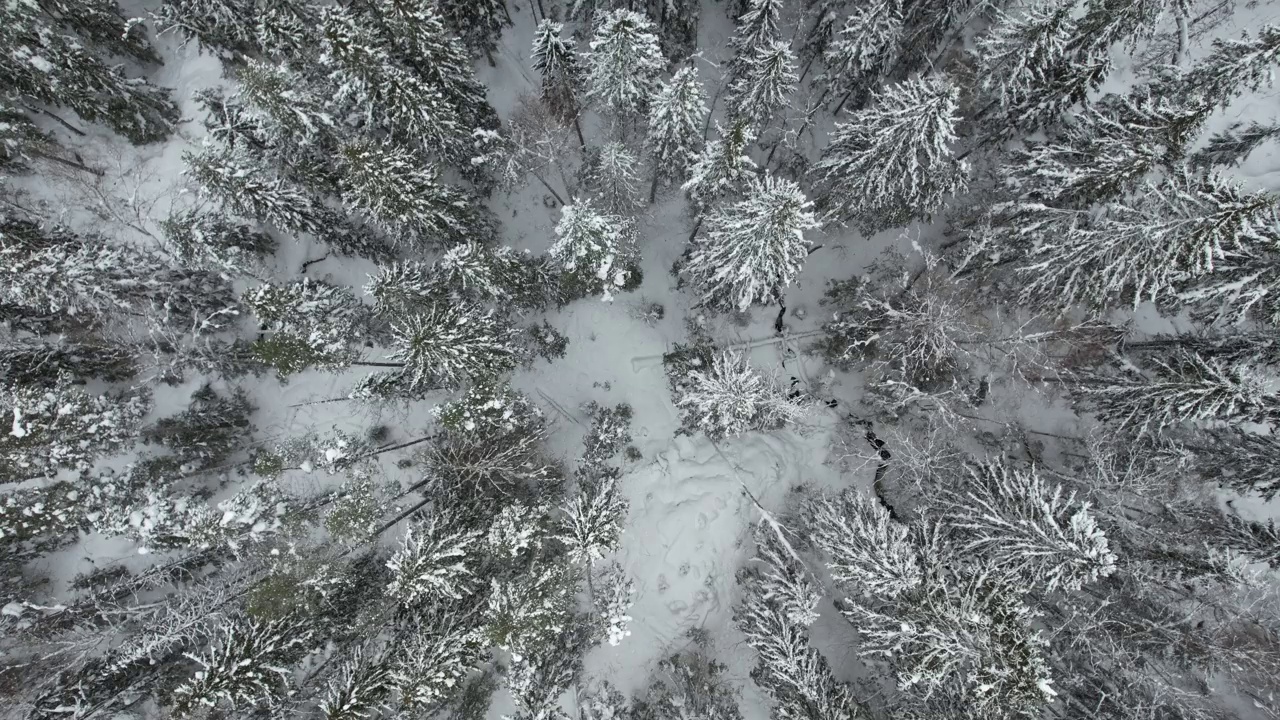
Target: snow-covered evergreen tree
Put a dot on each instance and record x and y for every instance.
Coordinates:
(860, 55)
(675, 127)
(442, 647)
(611, 175)
(1170, 235)
(284, 106)
(1183, 389)
(1243, 461)
(102, 23)
(478, 24)
(893, 162)
(358, 689)
(450, 344)
(64, 427)
(215, 241)
(730, 397)
(48, 65)
(214, 24)
(528, 613)
(1022, 525)
(311, 323)
(624, 62)
(722, 168)
(1233, 145)
(766, 79)
(502, 274)
(591, 526)
(594, 248)
(435, 561)
(1023, 49)
(868, 552)
(406, 199)
(612, 600)
(1233, 67)
(561, 71)
(245, 664)
(209, 431)
(30, 360)
(750, 251)
(757, 28)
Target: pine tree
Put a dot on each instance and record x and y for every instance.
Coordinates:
(766, 79)
(64, 427)
(402, 288)
(502, 274)
(245, 664)
(21, 141)
(453, 344)
(593, 248)
(612, 175)
(675, 127)
(860, 55)
(1184, 389)
(1233, 67)
(282, 105)
(591, 525)
(528, 613)
(312, 324)
(561, 73)
(1023, 526)
(893, 162)
(751, 250)
(49, 66)
(102, 23)
(722, 169)
(624, 62)
(435, 562)
(776, 610)
(1244, 461)
(729, 397)
(356, 692)
(1021, 52)
(404, 198)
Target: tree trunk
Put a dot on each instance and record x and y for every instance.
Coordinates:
(653, 187)
(696, 226)
(550, 189)
(68, 163)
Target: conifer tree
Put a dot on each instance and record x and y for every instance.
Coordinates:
(244, 664)
(624, 62)
(215, 241)
(27, 360)
(859, 56)
(561, 73)
(592, 522)
(611, 174)
(593, 248)
(311, 324)
(478, 24)
(1170, 235)
(675, 127)
(210, 430)
(1023, 49)
(728, 397)
(757, 28)
(214, 24)
(358, 688)
(283, 106)
(406, 199)
(722, 168)
(64, 427)
(1184, 389)
(441, 649)
(1243, 461)
(1233, 146)
(753, 249)
(767, 77)
(389, 94)
(435, 562)
(49, 66)
(453, 344)
(893, 162)
(102, 24)
(1233, 67)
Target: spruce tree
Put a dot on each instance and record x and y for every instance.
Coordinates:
(1183, 389)
(624, 62)
(452, 344)
(1019, 54)
(435, 562)
(309, 323)
(102, 24)
(722, 169)
(593, 248)
(1233, 67)
(214, 24)
(245, 663)
(407, 200)
(478, 24)
(561, 73)
(29, 360)
(860, 55)
(766, 79)
(753, 249)
(893, 162)
(214, 240)
(611, 175)
(757, 28)
(675, 127)
(64, 427)
(1234, 145)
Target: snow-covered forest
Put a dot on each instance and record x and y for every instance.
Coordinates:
(645, 360)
